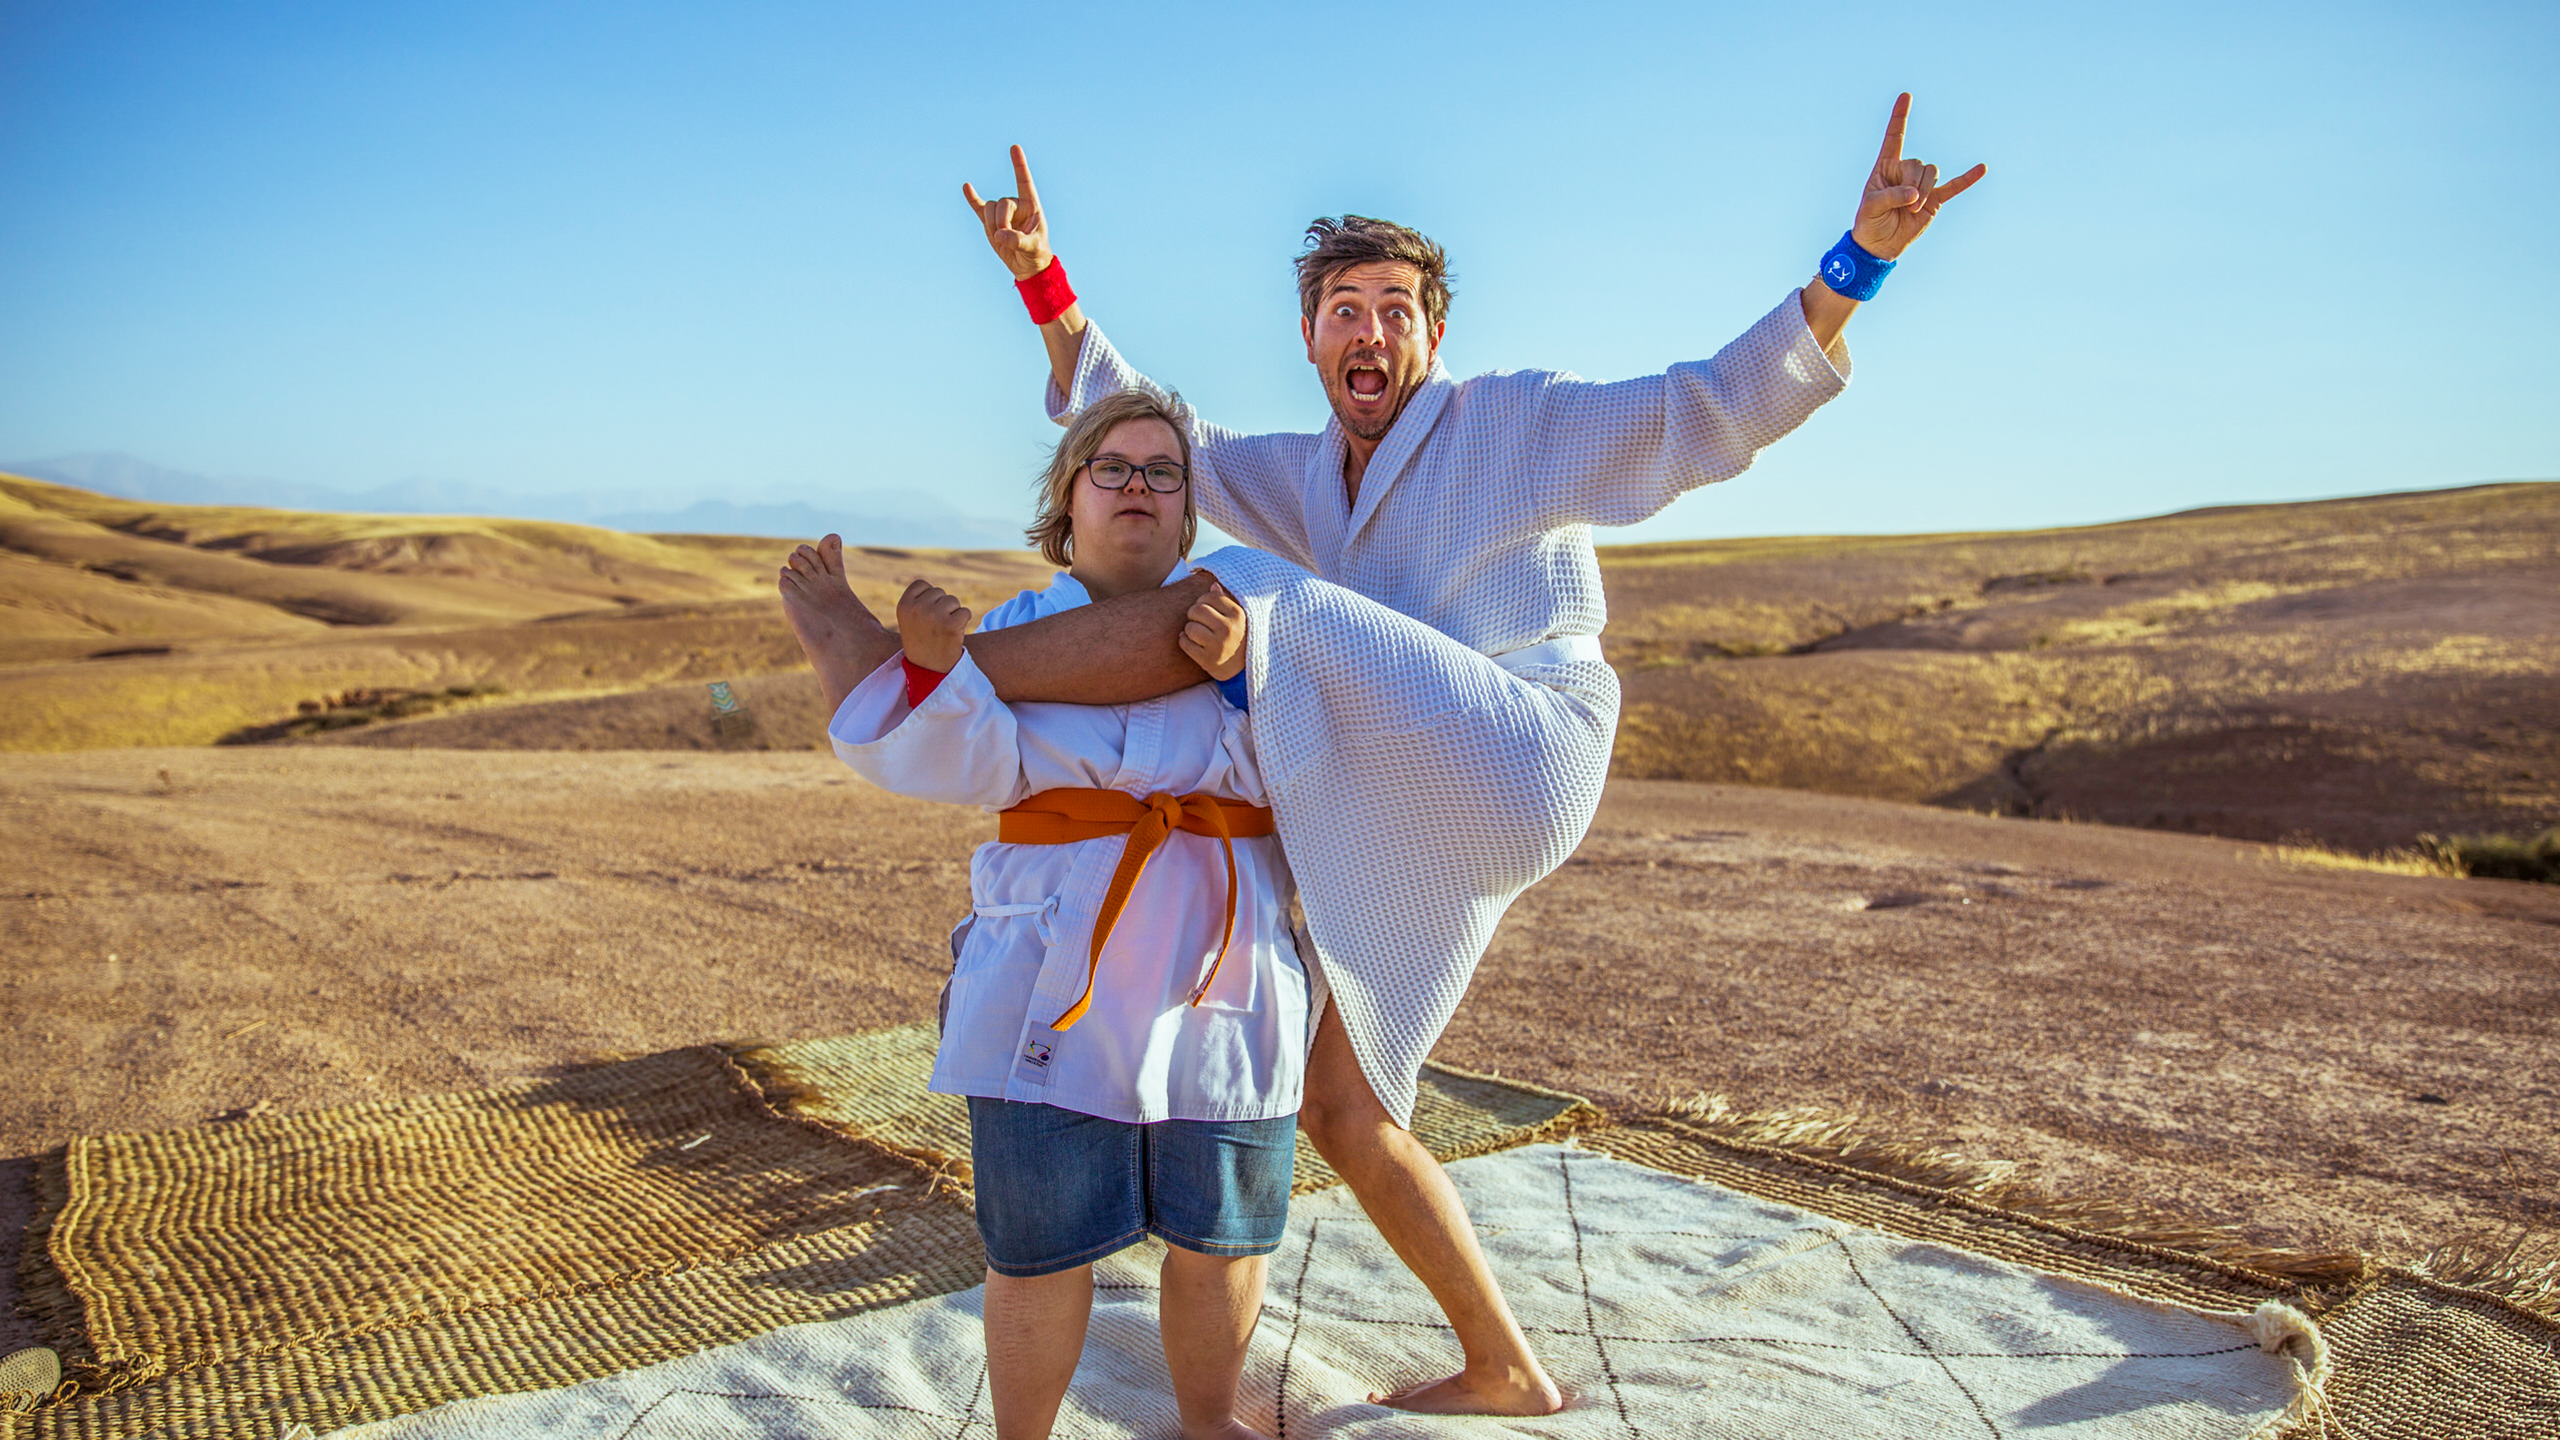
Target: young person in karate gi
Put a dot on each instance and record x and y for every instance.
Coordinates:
(1127, 1012)
(1432, 714)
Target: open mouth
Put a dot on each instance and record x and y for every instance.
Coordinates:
(1366, 382)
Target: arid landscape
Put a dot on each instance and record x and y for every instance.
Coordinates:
(1888, 839)
(123, 623)
(2351, 673)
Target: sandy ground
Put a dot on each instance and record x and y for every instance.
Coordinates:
(196, 932)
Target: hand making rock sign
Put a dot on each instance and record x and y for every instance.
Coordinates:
(1014, 223)
(1902, 195)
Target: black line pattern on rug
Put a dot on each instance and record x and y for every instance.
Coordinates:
(1568, 1331)
(970, 1410)
(1297, 1321)
(1590, 1314)
(647, 1410)
(1920, 1340)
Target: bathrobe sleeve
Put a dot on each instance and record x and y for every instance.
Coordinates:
(961, 745)
(1617, 453)
(1251, 486)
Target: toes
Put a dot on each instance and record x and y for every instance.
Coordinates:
(830, 554)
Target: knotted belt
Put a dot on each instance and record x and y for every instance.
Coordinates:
(1061, 817)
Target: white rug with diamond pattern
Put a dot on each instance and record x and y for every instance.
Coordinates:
(1665, 1307)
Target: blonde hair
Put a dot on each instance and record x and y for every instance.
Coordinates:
(1051, 530)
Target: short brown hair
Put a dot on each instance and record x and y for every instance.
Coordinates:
(1052, 530)
(1335, 245)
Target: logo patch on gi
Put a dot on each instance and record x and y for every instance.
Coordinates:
(1037, 1052)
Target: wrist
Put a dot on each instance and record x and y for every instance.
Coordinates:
(1852, 271)
(1046, 293)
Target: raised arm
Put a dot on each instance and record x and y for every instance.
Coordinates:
(1617, 453)
(1018, 231)
(1246, 485)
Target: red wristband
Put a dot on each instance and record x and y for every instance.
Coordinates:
(920, 681)
(1046, 294)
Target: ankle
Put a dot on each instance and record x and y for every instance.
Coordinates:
(1492, 1376)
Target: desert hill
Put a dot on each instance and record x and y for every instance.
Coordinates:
(2352, 672)
(129, 623)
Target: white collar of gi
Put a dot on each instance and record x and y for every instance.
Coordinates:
(1066, 592)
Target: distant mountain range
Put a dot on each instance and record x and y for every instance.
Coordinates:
(865, 519)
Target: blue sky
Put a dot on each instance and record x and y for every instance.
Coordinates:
(2225, 253)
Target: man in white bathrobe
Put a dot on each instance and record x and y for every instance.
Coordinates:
(1433, 717)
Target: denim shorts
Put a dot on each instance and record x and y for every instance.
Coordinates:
(1058, 1189)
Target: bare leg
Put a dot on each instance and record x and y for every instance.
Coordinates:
(1115, 652)
(1210, 1306)
(842, 638)
(1414, 1206)
(1035, 1335)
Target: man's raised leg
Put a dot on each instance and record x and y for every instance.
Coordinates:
(842, 638)
(1409, 1197)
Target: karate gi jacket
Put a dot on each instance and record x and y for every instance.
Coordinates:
(1143, 1052)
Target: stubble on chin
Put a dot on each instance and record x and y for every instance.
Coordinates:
(1362, 427)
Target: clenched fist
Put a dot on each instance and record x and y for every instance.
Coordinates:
(930, 624)
(1213, 635)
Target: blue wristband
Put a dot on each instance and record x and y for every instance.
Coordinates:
(1850, 270)
(1237, 693)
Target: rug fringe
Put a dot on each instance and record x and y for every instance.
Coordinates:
(788, 1092)
(2509, 1276)
(1839, 1139)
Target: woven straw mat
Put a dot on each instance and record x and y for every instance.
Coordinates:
(357, 1263)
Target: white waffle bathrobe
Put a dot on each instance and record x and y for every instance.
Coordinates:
(1418, 785)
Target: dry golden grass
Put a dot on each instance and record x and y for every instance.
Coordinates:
(2390, 862)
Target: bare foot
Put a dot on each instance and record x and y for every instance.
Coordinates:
(844, 641)
(1512, 1392)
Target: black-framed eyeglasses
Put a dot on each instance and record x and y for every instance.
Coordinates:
(1111, 473)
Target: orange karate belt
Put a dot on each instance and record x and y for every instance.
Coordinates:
(1063, 816)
